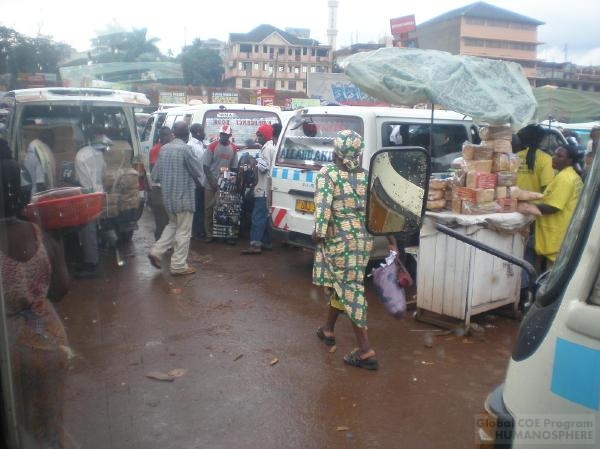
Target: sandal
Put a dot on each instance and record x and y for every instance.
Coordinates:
(329, 341)
(353, 359)
(184, 272)
(154, 260)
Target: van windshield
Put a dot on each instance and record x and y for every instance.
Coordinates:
(308, 140)
(243, 124)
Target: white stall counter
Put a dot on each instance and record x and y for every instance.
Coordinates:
(457, 280)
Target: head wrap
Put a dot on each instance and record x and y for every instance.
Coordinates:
(266, 131)
(348, 146)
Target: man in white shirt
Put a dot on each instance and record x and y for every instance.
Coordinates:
(196, 141)
(89, 169)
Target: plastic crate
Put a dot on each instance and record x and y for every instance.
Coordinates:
(64, 207)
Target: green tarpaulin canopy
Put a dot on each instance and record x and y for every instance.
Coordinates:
(566, 105)
(491, 91)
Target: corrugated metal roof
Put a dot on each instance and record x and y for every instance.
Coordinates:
(261, 32)
(487, 11)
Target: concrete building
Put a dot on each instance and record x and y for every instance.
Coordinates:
(270, 58)
(481, 29)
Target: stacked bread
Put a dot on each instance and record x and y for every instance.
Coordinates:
(437, 195)
(487, 175)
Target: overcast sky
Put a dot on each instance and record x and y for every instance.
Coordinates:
(572, 28)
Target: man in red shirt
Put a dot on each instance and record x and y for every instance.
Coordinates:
(161, 218)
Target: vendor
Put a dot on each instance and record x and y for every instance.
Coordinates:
(557, 206)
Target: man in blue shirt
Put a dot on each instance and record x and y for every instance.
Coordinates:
(178, 170)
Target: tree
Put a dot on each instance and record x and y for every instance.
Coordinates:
(201, 66)
(123, 46)
(22, 54)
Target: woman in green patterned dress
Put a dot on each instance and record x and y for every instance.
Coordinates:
(343, 244)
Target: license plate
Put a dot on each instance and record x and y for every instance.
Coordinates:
(307, 206)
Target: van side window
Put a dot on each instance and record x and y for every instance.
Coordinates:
(447, 140)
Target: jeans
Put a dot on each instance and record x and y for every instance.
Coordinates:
(259, 232)
(198, 223)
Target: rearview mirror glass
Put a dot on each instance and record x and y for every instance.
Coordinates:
(398, 183)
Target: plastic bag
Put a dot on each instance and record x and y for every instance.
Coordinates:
(386, 280)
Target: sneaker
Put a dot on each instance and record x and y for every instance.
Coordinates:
(186, 271)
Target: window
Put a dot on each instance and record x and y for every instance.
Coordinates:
(304, 69)
(309, 142)
(282, 84)
(475, 21)
(257, 83)
(256, 49)
(265, 49)
(291, 85)
(447, 140)
(245, 83)
(281, 50)
(304, 51)
(471, 42)
(256, 66)
(245, 48)
(281, 68)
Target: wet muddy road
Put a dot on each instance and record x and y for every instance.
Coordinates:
(237, 342)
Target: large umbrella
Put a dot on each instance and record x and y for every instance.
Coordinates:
(490, 91)
(566, 105)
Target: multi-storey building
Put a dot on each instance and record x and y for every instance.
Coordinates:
(269, 58)
(481, 29)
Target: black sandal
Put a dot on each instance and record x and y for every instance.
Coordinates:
(353, 359)
(329, 341)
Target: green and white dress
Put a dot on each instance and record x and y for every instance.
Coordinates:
(341, 258)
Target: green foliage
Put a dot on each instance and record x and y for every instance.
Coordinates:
(19, 53)
(201, 66)
(125, 47)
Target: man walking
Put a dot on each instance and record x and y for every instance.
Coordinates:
(177, 170)
(259, 232)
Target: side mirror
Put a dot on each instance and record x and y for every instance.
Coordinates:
(397, 195)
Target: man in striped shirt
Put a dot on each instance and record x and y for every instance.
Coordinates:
(178, 171)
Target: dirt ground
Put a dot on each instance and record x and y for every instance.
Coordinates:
(245, 369)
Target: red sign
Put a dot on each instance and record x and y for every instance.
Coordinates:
(401, 25)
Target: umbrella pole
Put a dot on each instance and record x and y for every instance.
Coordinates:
(431, 129)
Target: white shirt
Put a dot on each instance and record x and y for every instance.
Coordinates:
(198, 148)
(89, 168)
(267, 154)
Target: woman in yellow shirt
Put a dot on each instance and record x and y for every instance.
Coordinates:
(535, 169)
(558, 204)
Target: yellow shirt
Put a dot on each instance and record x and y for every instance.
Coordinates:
(562, 193)
(541, 175)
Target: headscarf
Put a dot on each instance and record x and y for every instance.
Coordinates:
(348, 146)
